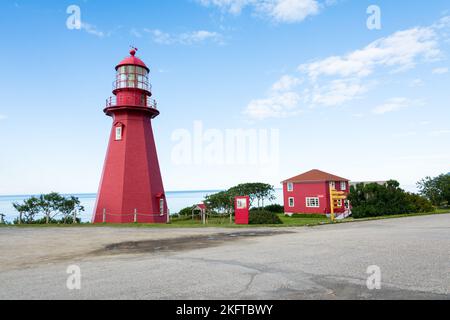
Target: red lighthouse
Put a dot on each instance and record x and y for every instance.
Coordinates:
(131, 188)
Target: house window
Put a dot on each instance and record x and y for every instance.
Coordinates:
(333, 185)
(343, 185)
(312, 203)
(339, 203)
(290, 187)
(291, 202)
(242, 203)
(118, 133)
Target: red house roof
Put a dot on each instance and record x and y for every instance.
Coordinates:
(201, 206)
(315, 176)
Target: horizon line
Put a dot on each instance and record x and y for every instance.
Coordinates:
(95, 193)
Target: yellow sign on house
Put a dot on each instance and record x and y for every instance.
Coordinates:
(334, 197)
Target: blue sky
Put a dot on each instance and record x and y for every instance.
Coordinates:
(329, 93)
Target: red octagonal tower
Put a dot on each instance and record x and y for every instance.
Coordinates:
(131, 188)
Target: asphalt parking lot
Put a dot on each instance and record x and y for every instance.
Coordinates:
(326, 262)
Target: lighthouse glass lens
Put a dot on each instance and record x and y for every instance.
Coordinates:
(132, 77)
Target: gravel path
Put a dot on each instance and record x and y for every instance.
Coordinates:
(327, 262)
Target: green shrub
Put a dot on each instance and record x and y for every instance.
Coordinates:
(437, 189)
(69, 220)
(186, 211)
(264, 217)
(420, 204)
(374, 200)
(274, 208)
(365, 211)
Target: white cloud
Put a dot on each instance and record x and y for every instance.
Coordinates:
(440, 70)
(405, 134)
(400, 51)
(91, 29)
(3, 117)
(187, 38)
(395, 104)
(135, 33)
(439, 133)
(338, 92)
(200, 36)
(417, 83)
(340, 79)
(231, 6)
(288, 11)
(277, 106)
(286, 83)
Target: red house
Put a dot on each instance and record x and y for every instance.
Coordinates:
(309, 193)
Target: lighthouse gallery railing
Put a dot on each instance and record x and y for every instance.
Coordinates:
(132, 100)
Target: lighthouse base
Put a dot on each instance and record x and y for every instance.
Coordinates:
(110, 218)
(131, 188)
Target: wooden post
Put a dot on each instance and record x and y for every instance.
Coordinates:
(135, 216)
(104, 215)
(332, 204)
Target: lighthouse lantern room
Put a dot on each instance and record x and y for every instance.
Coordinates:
(131, 188)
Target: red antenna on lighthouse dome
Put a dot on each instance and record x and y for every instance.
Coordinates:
(133, 50)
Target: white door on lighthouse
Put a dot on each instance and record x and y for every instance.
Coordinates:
(161, 206)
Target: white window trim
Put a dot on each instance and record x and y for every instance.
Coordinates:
(343, 185)
(290, 187)
(308, 202)
(333, 184)
(293, 202)
(119, 133)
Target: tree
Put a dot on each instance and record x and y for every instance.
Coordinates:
(69, 208)
(49, 206)
(372, 200)
(256, 191)
(27, 210)
(437, 189)
(186, 211)
(223, 202)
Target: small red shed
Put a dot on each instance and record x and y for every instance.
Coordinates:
(309, 193)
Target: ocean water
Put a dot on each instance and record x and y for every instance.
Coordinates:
(176, 200)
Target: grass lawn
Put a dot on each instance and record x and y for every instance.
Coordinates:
(304, 220)
(294, 221)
